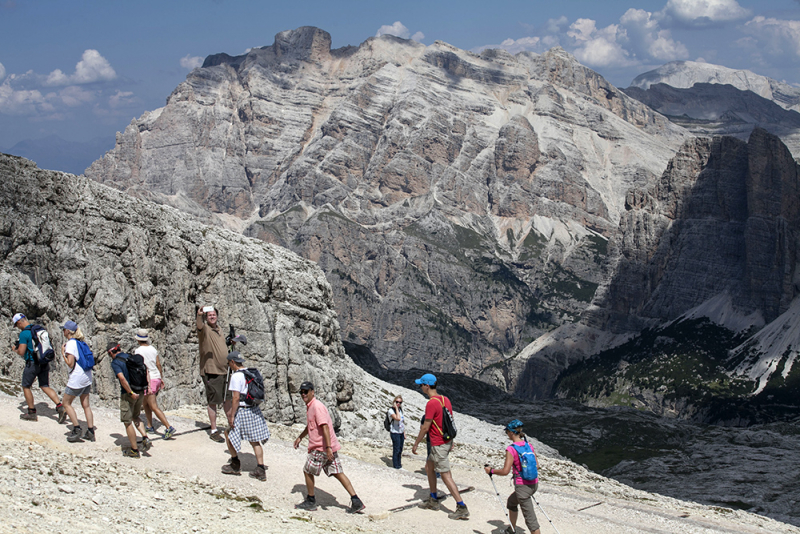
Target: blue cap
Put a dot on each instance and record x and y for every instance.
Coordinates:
(427, 379)
(514, 425)
(72, 326)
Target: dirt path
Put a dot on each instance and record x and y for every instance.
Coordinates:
(576, 500)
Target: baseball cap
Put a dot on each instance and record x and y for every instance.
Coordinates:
(241, 338)
(514, 425)
(427, 379)
(17, 317)
(72, 326)
(306, 385)
(234, 356)
(112, 345)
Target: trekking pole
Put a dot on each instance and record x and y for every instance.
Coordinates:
(545, 514)
(227, 377)
(500, 500)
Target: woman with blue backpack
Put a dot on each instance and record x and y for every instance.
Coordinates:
(80, 360)
(521, 460)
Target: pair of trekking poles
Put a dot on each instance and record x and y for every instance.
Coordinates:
(500, 500)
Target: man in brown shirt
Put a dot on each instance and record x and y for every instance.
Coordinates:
(213, 365)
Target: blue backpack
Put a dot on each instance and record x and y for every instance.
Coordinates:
(527, 460)
(86, 358)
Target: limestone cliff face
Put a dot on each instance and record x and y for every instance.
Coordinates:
(459, 205)
(76, 249)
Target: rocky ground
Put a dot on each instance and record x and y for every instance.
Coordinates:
(54, 486)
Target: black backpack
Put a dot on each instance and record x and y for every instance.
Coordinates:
(387, 422)
(255, 387)
(43, 350)
(137, 373)
(448, 429)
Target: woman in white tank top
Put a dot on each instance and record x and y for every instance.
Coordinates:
(155, 383)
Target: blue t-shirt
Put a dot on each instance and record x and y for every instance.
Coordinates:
(26, 338)
(119, 364)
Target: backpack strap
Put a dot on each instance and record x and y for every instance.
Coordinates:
(440, 398)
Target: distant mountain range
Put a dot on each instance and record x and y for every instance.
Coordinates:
(57, 154)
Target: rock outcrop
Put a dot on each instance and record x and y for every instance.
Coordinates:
(76, 249)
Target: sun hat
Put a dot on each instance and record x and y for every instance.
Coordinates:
(17, 317)
(72, 326)
(141, 335)
(427, 379)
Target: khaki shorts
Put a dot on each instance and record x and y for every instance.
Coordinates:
(129, 409)
(438, 455)
(215, 388)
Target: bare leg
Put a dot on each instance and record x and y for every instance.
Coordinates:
(512, 516)
(227, 406)
(431, 475)
(151, 406)
(341, 477)
(212, 416)
(73, 417)
(28, 397)
(230, 445)
(140, 428)
(87, 410)
(447, 478)
(309, 484)
(258, 450)
(50, 392)
(148, 413)
(131, 435)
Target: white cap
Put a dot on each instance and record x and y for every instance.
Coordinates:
(17, 317)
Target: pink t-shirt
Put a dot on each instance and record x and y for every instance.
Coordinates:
(518, 466)
(316, 416)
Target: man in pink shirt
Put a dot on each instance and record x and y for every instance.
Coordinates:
(323, 450)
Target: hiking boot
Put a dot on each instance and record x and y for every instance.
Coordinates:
(234, 467)
(460, 513)
(89, 434)
(217, 436)
(308, 506)
(146, 444)
(29, 416)
(131, 453)
(429, 504)
(168, 433)
(355, 505)
(259, 472)
(62, 415)
(150, 429)
(75, 435)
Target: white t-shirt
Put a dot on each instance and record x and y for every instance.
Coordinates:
(149, 355)
(78, 378)
(239, 383)
(398, 427)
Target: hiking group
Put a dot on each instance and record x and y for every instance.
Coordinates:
(240, 391)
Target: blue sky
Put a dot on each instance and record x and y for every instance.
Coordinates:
(84, 69)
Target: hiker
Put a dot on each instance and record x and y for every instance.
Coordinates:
(130, 401)
(35, 369)
(246, 422)
(397, 430)
(323, 450)
(155, 383)
(437, 460)
(523, 489)
(79, 383)
(213, 366)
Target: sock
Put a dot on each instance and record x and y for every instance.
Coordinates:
(311, 498)
(31, 410)
(59, 405)
(434, 495)
(461, 503)
(354, 497)
(262, 466)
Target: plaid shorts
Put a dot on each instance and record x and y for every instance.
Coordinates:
(249, 425)
(317, 461)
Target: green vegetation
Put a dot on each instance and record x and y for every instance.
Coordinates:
(565, 284)
(533, 246)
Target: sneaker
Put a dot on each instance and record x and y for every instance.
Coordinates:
(146, 444)
(460, 513)
(217, 436)
(168, 433)
(308, 506)
(429, 504)
(234, 467)
(131, 453)
(355, 505)
(259, 472)
(75, 435)
(29, 416)
(150, 429)
(89, 434)
(62, 414)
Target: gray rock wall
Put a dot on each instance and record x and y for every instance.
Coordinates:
(76, 249)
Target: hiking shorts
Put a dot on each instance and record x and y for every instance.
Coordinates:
(215, 388)
(439, 457)
(129, 409)
(522, 498)
(155, 386)
(317, 461)
(77, 392)
(32, 371)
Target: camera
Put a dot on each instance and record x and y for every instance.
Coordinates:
(207, 309)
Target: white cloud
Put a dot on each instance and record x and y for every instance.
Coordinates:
(2, 71)
(193, 62)
(21, 102)
(74, 96)
(599, 47)
(398, 29)
(775, 36)
(647, 40)
(120, 99)
(701, 13)
(91, 68)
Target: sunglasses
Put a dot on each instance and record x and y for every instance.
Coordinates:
(303, 392)
(398, 402)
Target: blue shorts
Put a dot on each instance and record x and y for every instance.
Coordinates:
(32, 371)
(77, 392)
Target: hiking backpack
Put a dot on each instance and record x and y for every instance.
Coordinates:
(86, 357)
(448, 429)
(527, 460)
(137, 373)
(43, 350)
(387, 422)
(255, 387)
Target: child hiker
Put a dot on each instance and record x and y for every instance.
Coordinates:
(524, 488)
